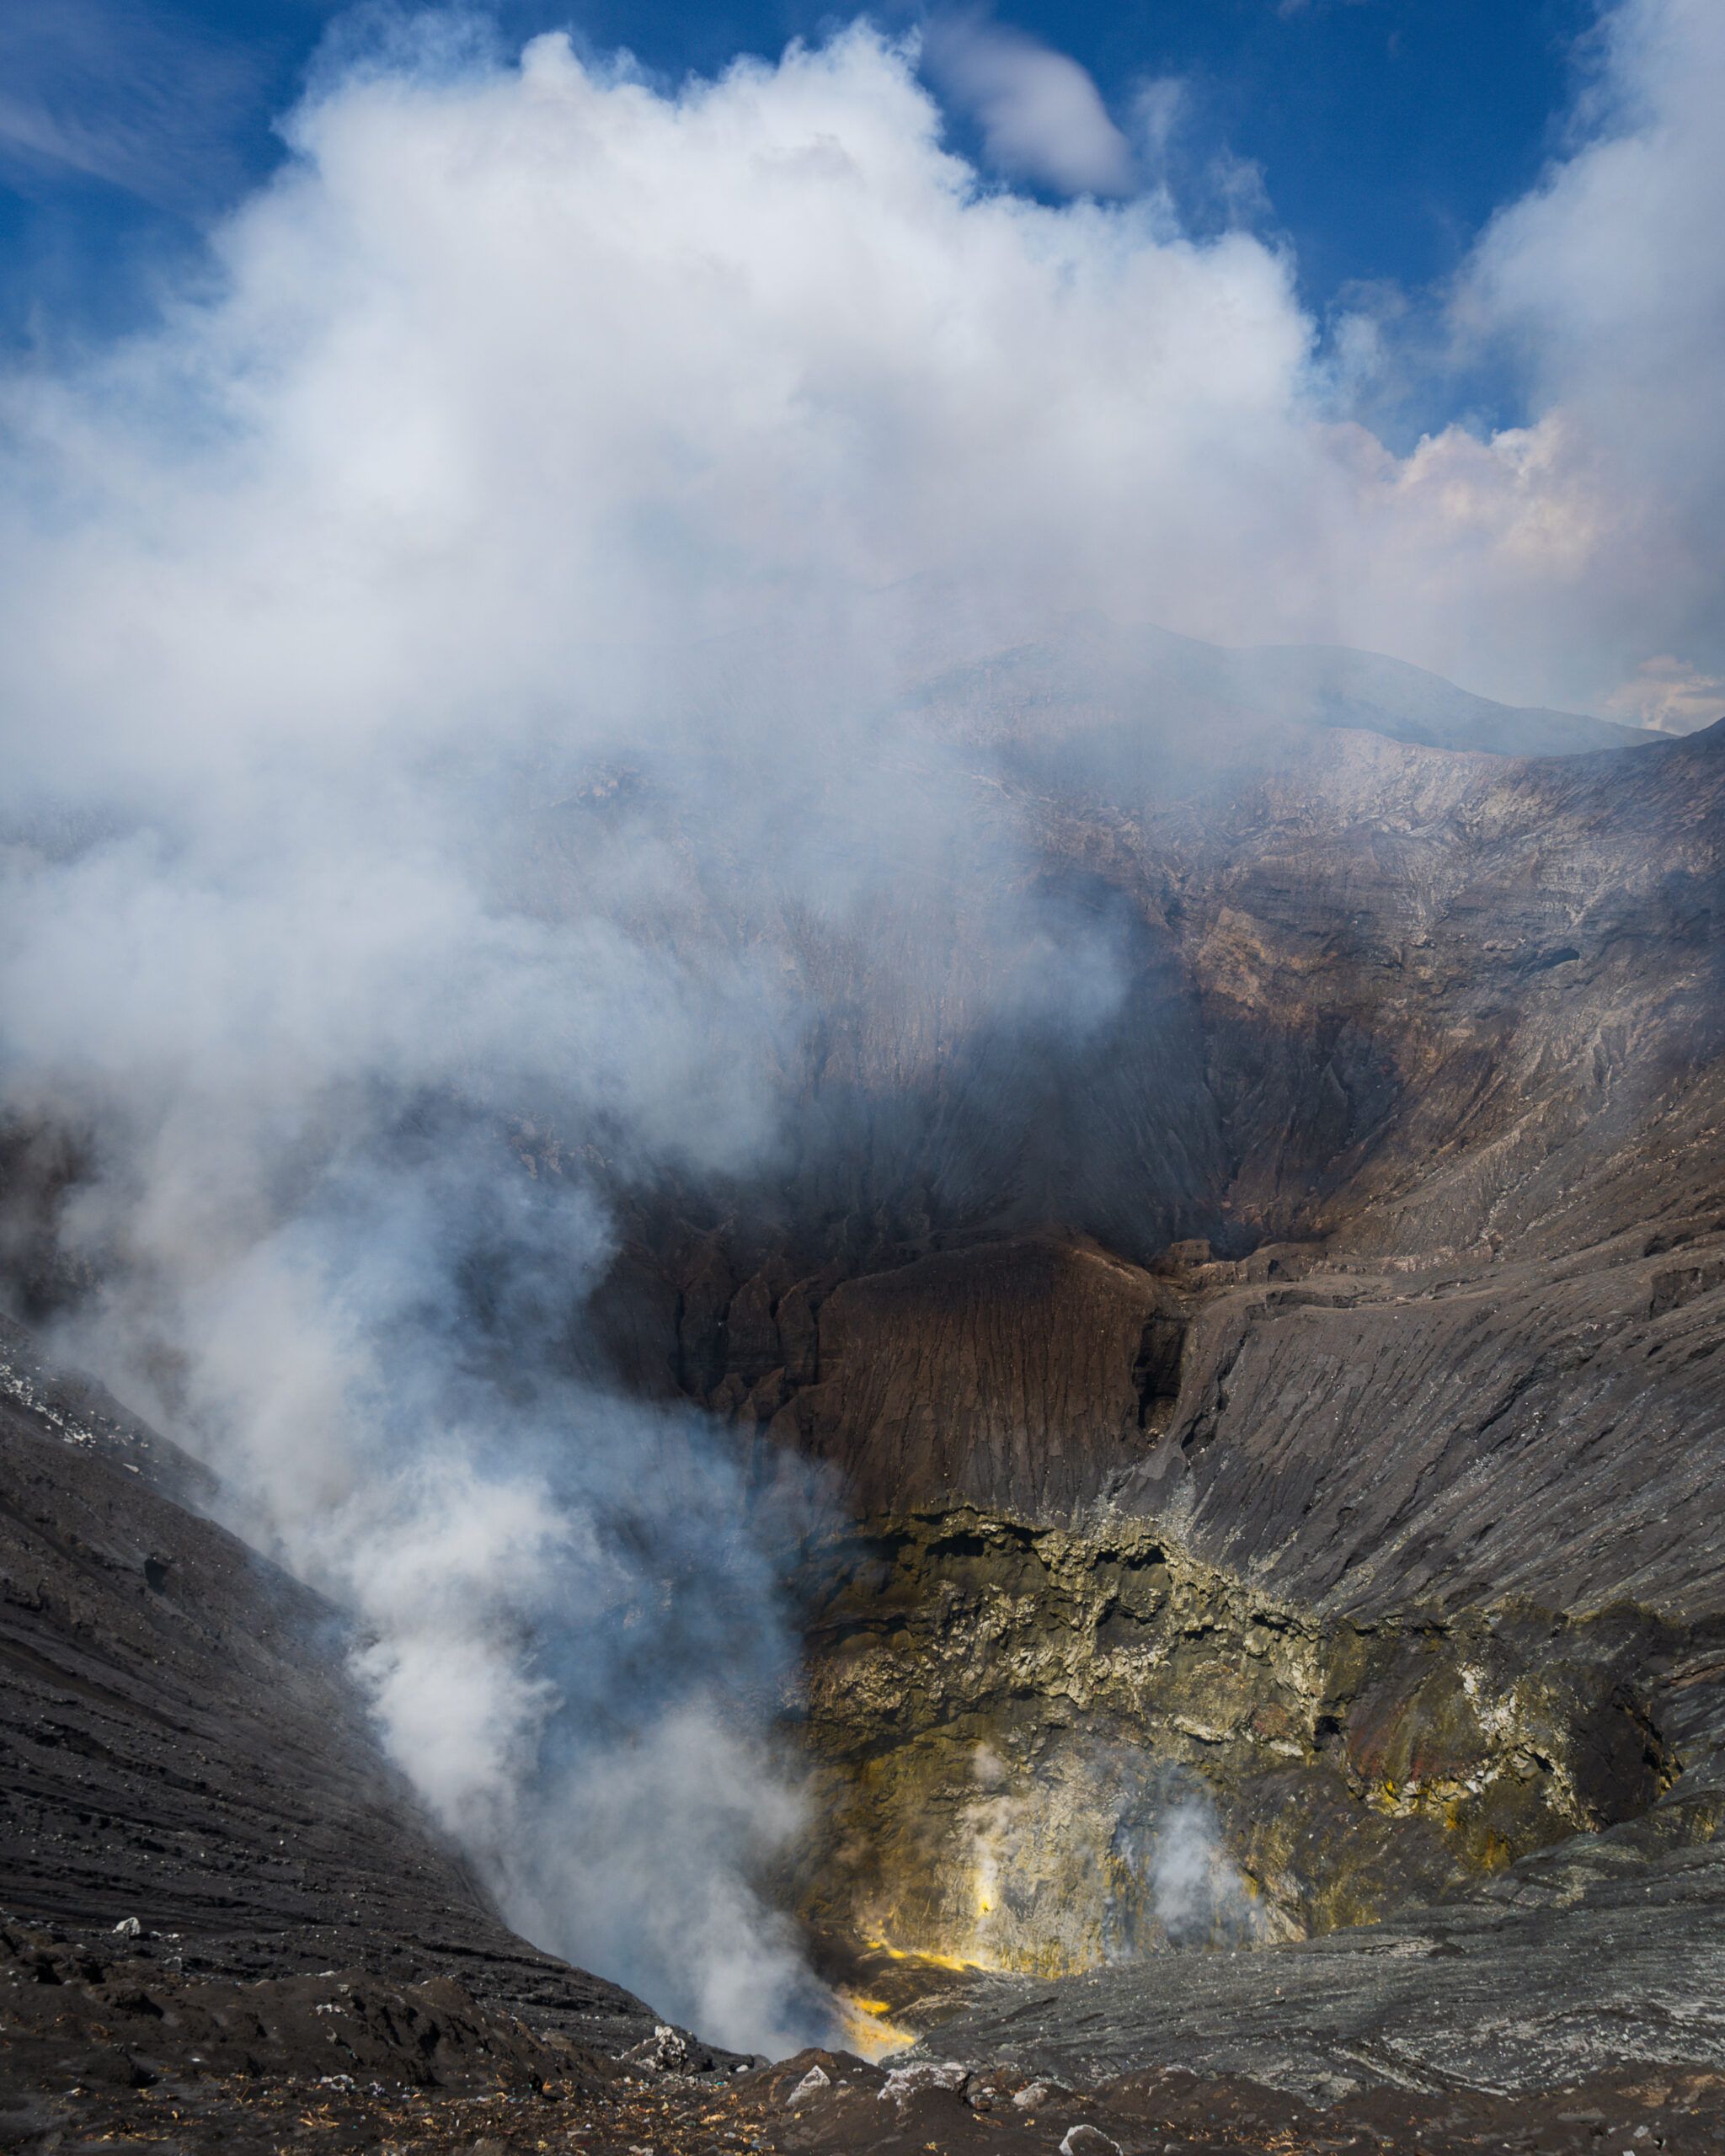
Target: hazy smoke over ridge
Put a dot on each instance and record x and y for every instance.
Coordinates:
(541, 422)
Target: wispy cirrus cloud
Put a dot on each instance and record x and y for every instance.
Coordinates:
(139, 97)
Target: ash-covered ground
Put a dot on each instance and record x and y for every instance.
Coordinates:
(105, 2049)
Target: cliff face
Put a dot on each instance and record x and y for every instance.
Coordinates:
(1375, 1217)
(1062, 1359)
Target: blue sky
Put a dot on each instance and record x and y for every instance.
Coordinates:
(1376, 137)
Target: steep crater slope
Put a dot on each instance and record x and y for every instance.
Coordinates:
(188, 1781)
(1336, 1464)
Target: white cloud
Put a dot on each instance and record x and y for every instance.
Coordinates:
(1042, 117)
(1608, 280)
(519, 362)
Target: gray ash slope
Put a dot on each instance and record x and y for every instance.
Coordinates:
(184, 1753)
(1585, 1962)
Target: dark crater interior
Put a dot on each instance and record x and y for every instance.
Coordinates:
(1270, 1614)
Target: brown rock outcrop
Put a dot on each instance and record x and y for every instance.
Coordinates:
(1023, 1372)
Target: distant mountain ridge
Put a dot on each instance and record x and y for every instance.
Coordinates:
(1092, 676)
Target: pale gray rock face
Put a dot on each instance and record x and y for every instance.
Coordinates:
(1082, 2140)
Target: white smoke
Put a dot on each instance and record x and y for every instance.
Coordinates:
(1197, 1893)
(535, 424)
(1670, 697)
